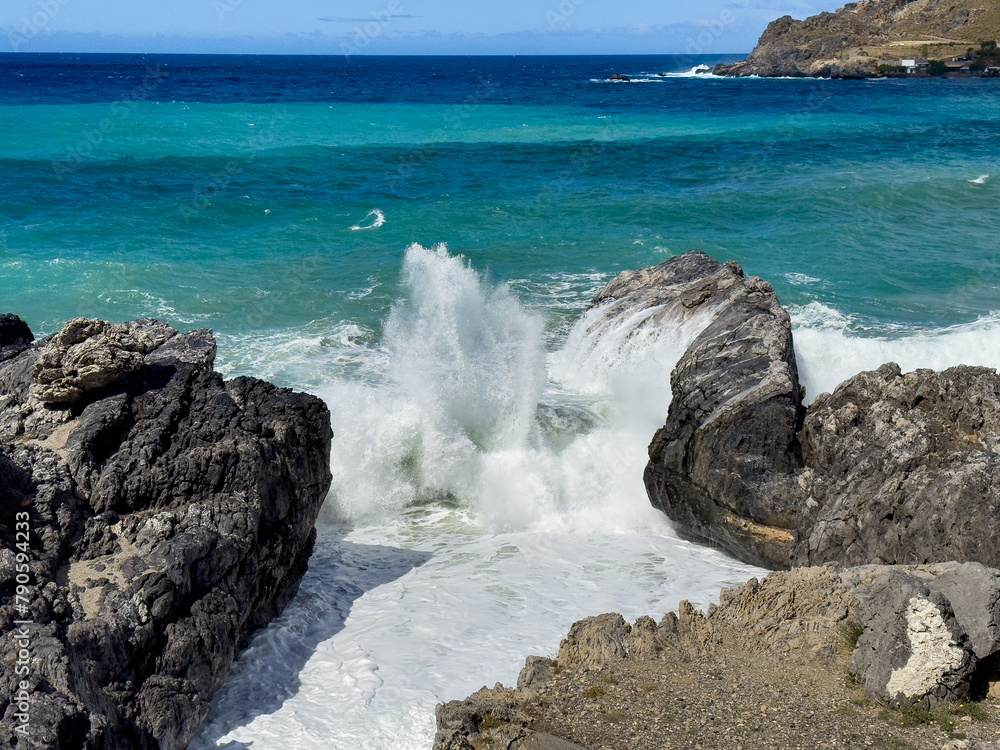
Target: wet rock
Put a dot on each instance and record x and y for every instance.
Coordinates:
(890, 468)
(15, 336)
(720, 467)
(172, 514)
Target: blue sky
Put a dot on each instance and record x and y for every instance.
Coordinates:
(393, 26)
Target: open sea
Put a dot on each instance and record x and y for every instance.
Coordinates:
(416, 240)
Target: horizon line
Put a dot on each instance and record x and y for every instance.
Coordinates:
(367, 54)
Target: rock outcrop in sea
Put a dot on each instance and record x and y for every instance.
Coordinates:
(862, 36)
(719, 466)
(889, 469)
(155, 516)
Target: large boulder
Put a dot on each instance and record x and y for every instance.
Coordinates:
(890, 468)
(168, 514)
(721, 465)
(904, 469)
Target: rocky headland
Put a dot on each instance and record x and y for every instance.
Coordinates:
(155, 516)
(881, 497)
(872, 37)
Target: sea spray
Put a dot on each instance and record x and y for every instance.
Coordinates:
(466, 369)
(830, 348)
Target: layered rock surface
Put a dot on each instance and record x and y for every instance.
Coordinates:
(171, 514)
(859, 37)
(890, 468)
(720, 465)
(906, 635)
(904, 469)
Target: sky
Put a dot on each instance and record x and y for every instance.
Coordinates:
(394, 26)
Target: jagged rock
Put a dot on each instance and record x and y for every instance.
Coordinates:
(911, 635)
(740, 462)
(913, 649)
(720, 467)
(904, 469)
(172, 514)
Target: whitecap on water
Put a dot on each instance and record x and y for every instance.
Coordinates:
(377, 220)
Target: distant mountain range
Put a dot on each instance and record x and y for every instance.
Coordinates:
(874, 37)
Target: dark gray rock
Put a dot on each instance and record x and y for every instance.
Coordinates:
(15, 336)
(890, 468)
(172, 514)
(904, 469)
(721, 466)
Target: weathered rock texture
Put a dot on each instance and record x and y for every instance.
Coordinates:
(859, 37)
(720, 467)
(908, 635)
(171, 514)
(905, 468)
(890, 468)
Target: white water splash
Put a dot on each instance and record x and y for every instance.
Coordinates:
(829, 351)
(379, 220)
(488, 507)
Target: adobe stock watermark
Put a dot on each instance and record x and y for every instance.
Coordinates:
(37, 23)
(560, 16)
(225, 7)
(373, 29)
(23, 603)
(118, 112)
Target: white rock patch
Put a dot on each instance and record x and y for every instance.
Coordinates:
(933, 652)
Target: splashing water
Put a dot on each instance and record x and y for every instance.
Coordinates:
(486, 497)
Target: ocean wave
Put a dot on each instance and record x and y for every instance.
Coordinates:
(378, 221)
(472, 410)
(801, 279)
(830, 348)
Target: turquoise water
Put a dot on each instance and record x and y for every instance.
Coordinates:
(238, 215)
(415, 240)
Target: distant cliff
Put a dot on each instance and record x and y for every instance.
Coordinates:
(867, 38)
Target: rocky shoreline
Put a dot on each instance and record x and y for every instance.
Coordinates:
(872, 38)
(889, 481)
(163, 515)
(779, 663)
(741, 463)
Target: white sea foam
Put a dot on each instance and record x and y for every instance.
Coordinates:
(485, 494)
(801, 279)
(698, 71)
(377, 221)
(829, 349)
(981, 180)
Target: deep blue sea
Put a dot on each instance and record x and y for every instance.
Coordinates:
(415, 239)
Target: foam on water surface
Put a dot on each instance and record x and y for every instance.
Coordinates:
(830, 349)
(487, 495)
